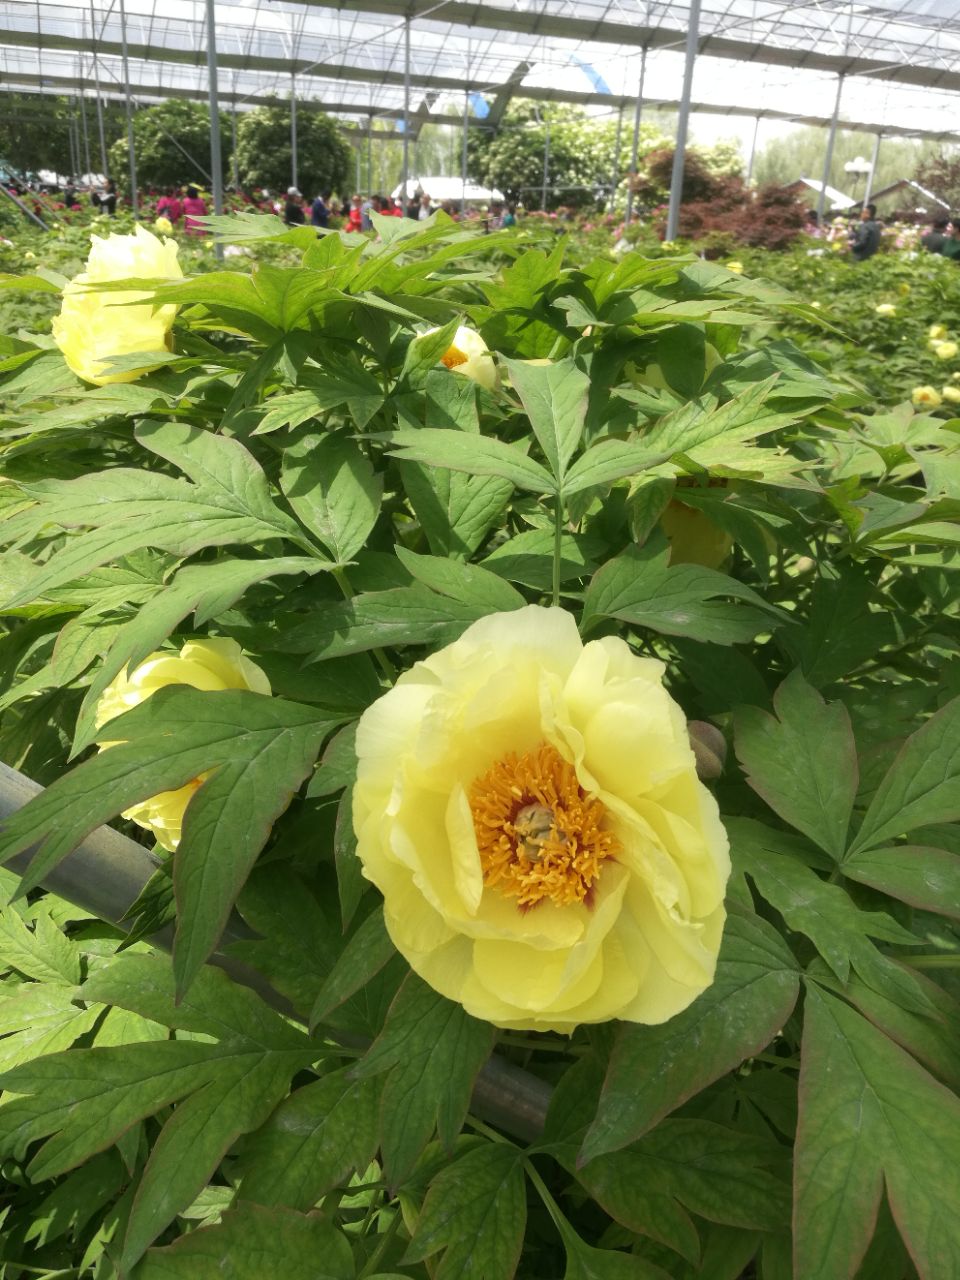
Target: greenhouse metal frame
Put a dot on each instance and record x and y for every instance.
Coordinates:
(890, 67)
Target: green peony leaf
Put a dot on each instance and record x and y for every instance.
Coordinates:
(803, 764)
(334, 490)
(869, 1116)
(314, 1141)
(432, 1051)
(259, 750)
(251, 1243)
(654, 1069)
(924, 877)
(922, 786)
(554, 396)
(476, 1212)
(639, 587)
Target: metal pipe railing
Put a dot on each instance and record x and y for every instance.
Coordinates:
(105, 875)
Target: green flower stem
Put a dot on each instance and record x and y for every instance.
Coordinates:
(372, 1265)
(386, 666)
(557, 547)
(933, 961)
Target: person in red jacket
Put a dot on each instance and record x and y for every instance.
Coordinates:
(355, 215)
(193, 208)
(169, 206)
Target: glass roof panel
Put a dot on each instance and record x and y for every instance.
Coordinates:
(900, 58)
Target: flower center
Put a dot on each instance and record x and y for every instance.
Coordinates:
(540, 835)
(453, 356)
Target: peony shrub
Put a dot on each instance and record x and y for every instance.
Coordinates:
(520, 690)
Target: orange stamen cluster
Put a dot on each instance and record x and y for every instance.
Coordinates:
(452, 357)
(540, 835)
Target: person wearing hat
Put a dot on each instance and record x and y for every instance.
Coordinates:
(293, 214)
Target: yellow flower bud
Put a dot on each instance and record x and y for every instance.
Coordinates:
(937, 331)
(164, 225)
(694, 538)
(950, 394)
(886, 309)
(470, 356)
(209, 665)
(736, 267)
(92, 326)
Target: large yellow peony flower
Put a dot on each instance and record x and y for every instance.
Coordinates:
(209, 665)
(945, 350)
(529, 808)
(470, 356)
(93, 326)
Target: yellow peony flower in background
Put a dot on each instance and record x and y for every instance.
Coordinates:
(209, 665)
(950, 394)
(903, 289)
(937, 331)
(946, 350)
(92, 326)
(886, 309)
(163, 225)
(470, 356)
(694, 538)
(736, 267)
(529, 808)
(926, 397)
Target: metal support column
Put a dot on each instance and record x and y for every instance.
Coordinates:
(74, 166)
(86, 135)
(828, 159)
(134, 203)
(753, 148)
(406, 106)
(234, 170)
(683, 118)
(294, 167)
(216, 163)
(370, 156)
(635, 145)
(615, 175)
(546, 165)
(872, 175)
(463, 153)
(96, 85)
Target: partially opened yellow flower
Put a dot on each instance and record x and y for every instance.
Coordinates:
(735, 267)
(529, 808)
(950, 394)
(470, 356)
(926, 397)
(886, 309)
(937, 331)
(946, 350)
(163, 225)
(93, 326)
(209, 665)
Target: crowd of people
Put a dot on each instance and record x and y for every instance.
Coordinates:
(183, 206)
(355, 214)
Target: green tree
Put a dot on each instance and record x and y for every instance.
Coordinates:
(264, 154)
(801, 154)
(35, 133)
(580, 161)
(172, 145)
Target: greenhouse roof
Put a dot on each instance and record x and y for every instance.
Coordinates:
(900, 62)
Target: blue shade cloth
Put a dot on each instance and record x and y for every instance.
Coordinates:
(594, 76)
